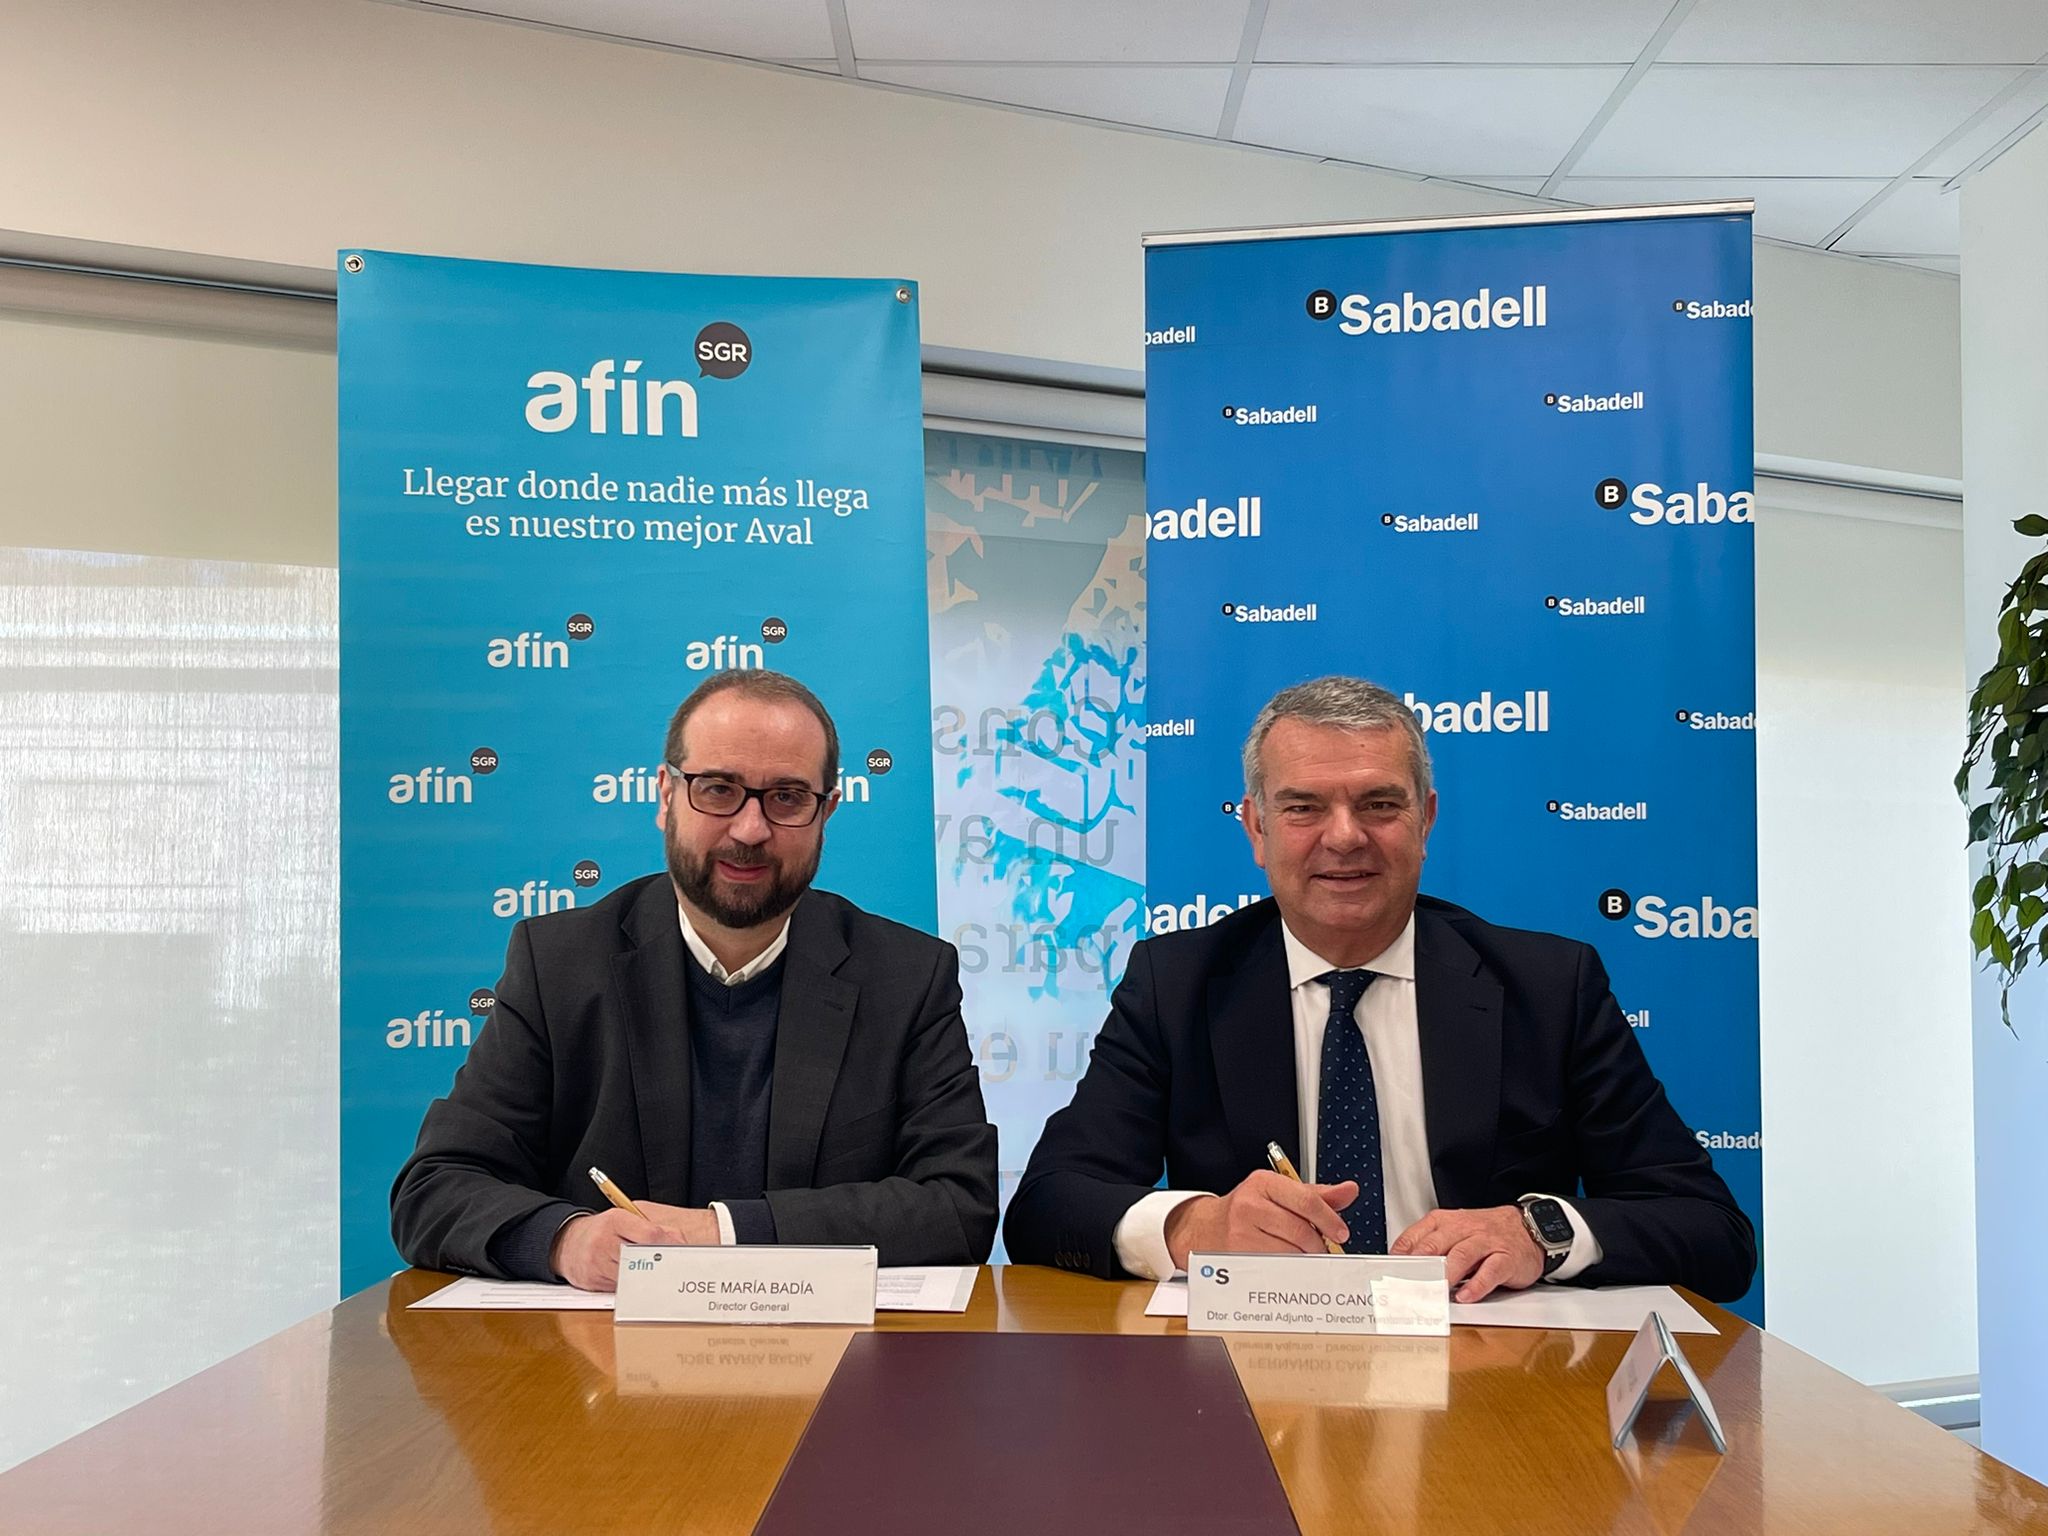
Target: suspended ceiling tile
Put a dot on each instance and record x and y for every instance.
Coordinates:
(1861, 31)
(1464, 32)
(1181, 97)
(1119, 31)
(2024, 104)
(1466, 122)
(1799, 209)
(1918, 219)
(744, 28)
(1792, 120)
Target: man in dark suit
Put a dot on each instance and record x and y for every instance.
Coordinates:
(1445, 1086)
(752, 1060)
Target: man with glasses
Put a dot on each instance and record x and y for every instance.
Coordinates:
(749, 1059)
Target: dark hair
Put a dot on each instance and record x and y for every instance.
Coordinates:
(754, 683)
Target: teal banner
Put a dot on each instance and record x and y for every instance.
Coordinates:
(567, 497)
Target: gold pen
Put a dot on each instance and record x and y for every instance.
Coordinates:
(613, 1193)
(1281, 1165)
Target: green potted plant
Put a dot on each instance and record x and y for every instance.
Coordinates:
(2008, 735)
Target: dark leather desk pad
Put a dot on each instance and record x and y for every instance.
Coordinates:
(1032, 1434)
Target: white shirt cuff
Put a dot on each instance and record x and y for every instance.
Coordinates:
(1585, 1246)
(725, 1233)
(1140, 1238)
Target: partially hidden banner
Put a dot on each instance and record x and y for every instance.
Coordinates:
(567, 497)
(1506, 472)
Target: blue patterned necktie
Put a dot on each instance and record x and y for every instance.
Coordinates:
(1348, 1115)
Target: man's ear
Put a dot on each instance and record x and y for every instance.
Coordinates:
(1254, 828)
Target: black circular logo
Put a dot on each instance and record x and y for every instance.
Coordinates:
(581, 627)
(1550, 602)
(1610, 493)
(879, 760)
(1387, 520)
(481, 1002)
(1322, 304)
(774, 631)
(1615, 905)
(1230, 807)
(1678, 306)
(723, 351)
(586, 874)
(1551, 807)
(484, 760)
(1550, 399)
(1229, 411)
(1682, 716)
(1229, 608)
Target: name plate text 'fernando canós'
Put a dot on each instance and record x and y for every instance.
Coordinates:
(1317, 1293)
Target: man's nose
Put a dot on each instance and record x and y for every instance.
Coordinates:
(1343, 831)
(752, 826)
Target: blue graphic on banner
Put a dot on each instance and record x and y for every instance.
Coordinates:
(1037, 595)
(566, 498)
(1505, 472)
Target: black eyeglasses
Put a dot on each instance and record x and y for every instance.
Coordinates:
(716, 794)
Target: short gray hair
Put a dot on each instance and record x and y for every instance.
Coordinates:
(1349, 704)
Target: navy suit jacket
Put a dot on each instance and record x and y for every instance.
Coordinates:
(1532, 1080)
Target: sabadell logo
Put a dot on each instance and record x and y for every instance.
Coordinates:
(1650, 504)
(1657, 917)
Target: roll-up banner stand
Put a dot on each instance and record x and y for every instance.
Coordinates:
(1503, 467)
(567, 497)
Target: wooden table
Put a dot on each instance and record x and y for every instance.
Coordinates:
(375, 1419)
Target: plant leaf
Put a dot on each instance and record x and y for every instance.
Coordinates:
(1981, 929)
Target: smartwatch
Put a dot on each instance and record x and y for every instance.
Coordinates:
(1552, 1229)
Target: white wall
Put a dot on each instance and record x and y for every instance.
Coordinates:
(1865, 970)
(2005, 376)
(280, 131)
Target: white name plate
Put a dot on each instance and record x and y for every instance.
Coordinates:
(764, 1284)
(1317, 1293)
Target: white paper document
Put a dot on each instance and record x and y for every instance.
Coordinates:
(1603, 1309)
(943, 1289)
(470, 1294)
(1169, 1298)
(1611, 1309)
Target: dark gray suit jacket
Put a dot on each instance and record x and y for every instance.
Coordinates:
(1531, 1081)
(876, 1130)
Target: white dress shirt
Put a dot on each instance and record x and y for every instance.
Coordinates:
(754, 967)
(1386, 1015)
